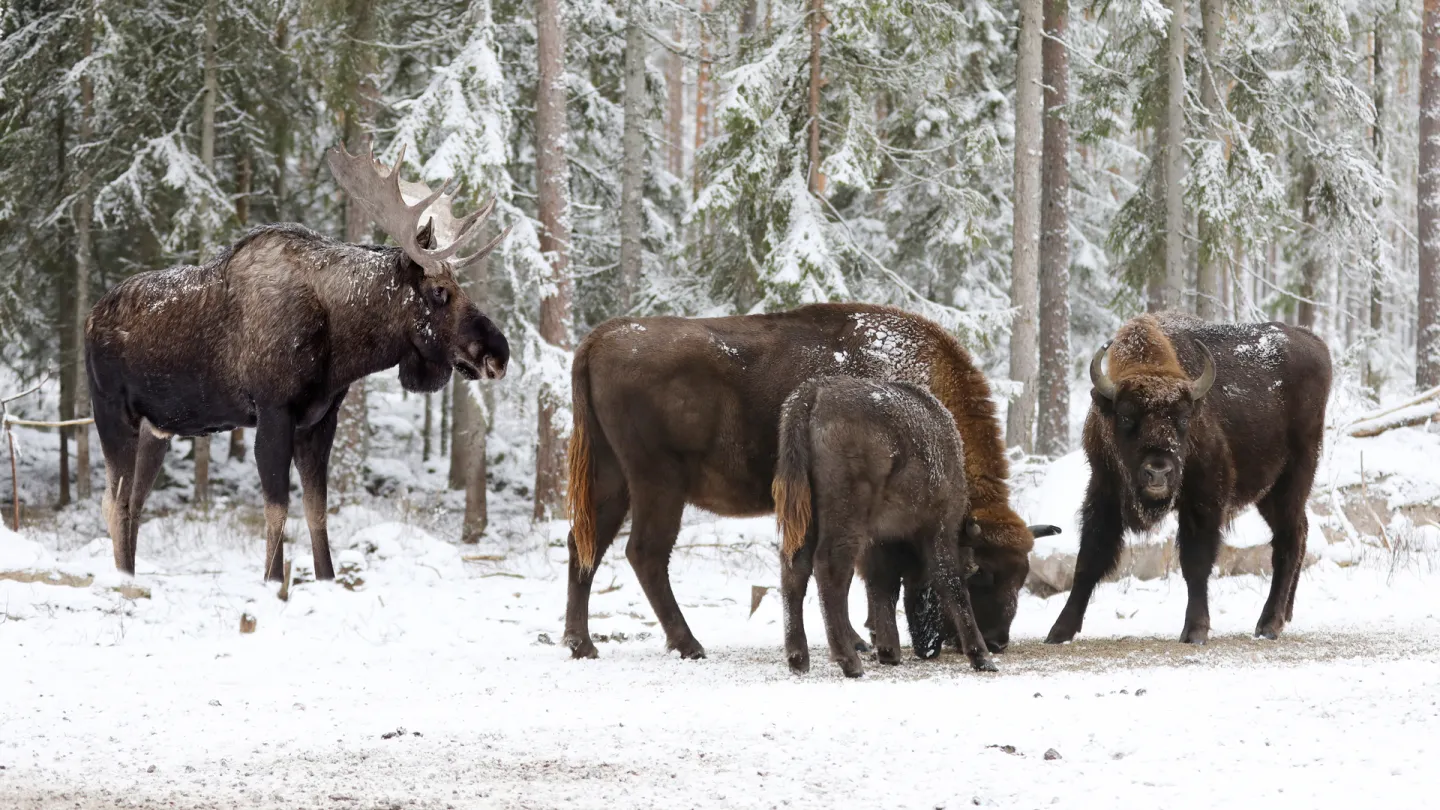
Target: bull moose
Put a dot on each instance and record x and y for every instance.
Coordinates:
(670, 411)
(865, 465)
(1204, 420)
(270, 334)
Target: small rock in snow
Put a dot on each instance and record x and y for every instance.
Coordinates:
(214, 703)
(544, 638)
(1052, 754)
(1139, 692)
(1009, 749)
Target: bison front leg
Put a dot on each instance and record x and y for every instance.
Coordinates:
(794, 580)
(274, 448)
(312, 459)
(947, 575)
(1284, 510)
(1199, 543)
(654, 523)
(1101, 537)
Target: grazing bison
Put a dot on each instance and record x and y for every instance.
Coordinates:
(1203, 420)
(270, 334)
(670, 411)
(863, 465)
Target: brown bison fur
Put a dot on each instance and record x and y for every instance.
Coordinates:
(270, 334)
(881, 463)
(1204, 420)
(670, 411)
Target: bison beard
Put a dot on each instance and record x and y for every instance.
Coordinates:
(670, 411)
(1205, 420)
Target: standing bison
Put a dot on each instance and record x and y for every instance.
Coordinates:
(866, 466)
(271, 334)
(670, 411)
(1203, 420)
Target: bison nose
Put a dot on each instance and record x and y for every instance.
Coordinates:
(1157, 471)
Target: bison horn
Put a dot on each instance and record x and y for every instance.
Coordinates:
(1098, 378)
(1201, 387)
(1043, 530)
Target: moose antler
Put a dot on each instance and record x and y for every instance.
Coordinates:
(379, 187)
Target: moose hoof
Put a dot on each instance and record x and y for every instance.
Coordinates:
(889, 656)
(580, 646)
(799, 662)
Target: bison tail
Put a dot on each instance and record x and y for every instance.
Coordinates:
(580, 494)
(791, 489)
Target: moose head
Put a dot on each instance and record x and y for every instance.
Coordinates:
(445, 328)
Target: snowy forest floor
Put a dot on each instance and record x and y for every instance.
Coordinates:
(434, 683)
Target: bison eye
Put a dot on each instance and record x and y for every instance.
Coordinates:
(439, 296)
(982, 579)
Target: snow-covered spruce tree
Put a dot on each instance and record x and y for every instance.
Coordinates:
(908, 106)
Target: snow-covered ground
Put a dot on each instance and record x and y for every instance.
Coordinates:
(434, 682)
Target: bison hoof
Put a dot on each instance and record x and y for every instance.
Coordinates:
(984, 664)
(1269, 631)
(689, 649)
(1060, 636)
(1195, 635)
(799, 662)
(890, 656)
(851, 667)
(580, 646)
(861, 645)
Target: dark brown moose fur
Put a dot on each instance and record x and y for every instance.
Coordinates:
(270, 334)
(670, 411)
(1154, 447)
(866, 464)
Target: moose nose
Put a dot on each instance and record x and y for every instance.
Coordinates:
(1157, 471)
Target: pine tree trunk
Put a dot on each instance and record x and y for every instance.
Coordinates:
(243, 178)
(1172, 294)
(748, 13)
(1370, 373)
(1024, 296)
(475, 475)
(817, 24)
(65, 329)
(632, 181)
(1310, 265)
(352, 432)
(1053, 428)
(1211, 234)
(282, 131)
(444, 420)
(675, 104)
(207, 158)
(429, 430)
(84, 204)
(462, 419)
(553, 205)
(1427, 324)
(702, 90)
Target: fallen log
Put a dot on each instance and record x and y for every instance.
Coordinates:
(1409, 416)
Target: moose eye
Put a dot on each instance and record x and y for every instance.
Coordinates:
(439, 296)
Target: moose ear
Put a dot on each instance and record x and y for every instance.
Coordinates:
(426, 237)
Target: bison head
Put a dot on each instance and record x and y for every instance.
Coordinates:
(1002, 566)
(1149, 415)
(446, 330)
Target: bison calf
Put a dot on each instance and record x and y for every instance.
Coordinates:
(1204, 420)
(862, 464)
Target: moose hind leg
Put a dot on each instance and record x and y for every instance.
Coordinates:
(274, 448)
(312, 460)
(118, 443)
(654, 523)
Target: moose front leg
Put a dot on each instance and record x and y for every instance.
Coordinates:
(274, 447)
(312, 459)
